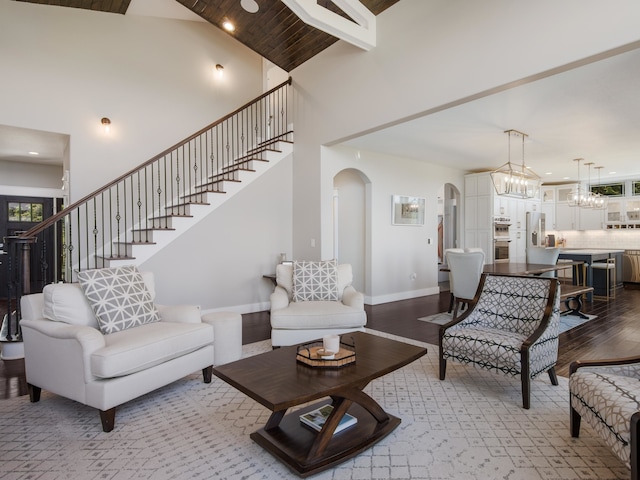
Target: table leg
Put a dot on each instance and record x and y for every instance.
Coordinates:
(274, 420)
(340, 406)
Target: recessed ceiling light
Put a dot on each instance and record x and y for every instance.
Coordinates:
(549, 173)
(228, 26)
(566, 178)
(249, 5)
(34, 153)
(612, 173)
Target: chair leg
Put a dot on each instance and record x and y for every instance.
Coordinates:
(108, 418)
(552, 376)
(34, 393)
(206, 374)
(455, 309)
(633, 444)
(450, 303)
(574, 423)
(526, 392)
(443, 368)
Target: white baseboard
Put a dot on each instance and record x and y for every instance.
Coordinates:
(394, 297)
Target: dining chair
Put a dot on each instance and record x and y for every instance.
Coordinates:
(465, 269)
(545, 256)
(451, 297)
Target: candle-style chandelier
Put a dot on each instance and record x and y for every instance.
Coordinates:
(516, 181)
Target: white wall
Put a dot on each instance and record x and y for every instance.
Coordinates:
(220, 262)
(428, 54)
(20, 174)
(396, 251)
(63, 69)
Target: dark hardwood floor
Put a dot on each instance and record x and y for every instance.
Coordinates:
(615, 333)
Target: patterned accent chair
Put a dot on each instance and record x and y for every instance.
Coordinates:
(606, 393)
(511, 327)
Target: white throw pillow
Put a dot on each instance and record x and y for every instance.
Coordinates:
(315, 281)
(65, 302)
(119, 297)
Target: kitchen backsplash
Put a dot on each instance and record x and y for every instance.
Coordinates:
(615, 239)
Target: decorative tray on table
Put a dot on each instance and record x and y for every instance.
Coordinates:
(314, 355)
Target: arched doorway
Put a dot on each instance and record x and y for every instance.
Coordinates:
(351, 226)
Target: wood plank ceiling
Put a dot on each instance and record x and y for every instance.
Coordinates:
(274, 32)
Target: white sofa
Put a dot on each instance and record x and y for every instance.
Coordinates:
(67, 354)
(295, 322)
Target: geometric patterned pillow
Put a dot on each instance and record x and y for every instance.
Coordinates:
(315, 281)
(119, 297)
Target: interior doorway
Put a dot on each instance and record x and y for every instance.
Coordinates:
(448, 223)
(17, 215)
(351, 225)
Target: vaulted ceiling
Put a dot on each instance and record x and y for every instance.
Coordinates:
(274, 31)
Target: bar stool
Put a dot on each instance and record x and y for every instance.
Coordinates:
(610, 267)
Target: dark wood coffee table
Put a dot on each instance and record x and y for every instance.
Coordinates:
(278, 382)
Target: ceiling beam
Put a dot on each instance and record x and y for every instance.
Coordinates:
(359, 31)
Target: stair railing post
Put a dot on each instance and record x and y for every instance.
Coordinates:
(18, 282)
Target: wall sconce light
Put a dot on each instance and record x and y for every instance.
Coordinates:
(106, 124)
(219, 70)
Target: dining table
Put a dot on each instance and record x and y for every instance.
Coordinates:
(517, 268)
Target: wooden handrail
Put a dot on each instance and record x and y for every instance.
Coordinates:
(61, 214)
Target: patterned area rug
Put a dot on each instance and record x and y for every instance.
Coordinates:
(567, 322)
(470, 426)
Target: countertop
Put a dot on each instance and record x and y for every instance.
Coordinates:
(589, 251)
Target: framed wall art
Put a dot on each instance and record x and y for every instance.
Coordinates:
(407, 210)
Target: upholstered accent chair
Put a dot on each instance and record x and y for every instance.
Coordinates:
(465, 269)
(313, 299)
(606, 394)
(118, 348)
(511, 326)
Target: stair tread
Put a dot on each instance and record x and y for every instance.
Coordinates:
(134, 243)
(152, 229)
(171, 215)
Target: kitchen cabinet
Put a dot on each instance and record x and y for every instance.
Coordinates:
(482, 204)
(559, 215)
(623, 213)
(590, 219)
(565, 217)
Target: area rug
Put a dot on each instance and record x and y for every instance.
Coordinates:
(469, 426)
(567, 322)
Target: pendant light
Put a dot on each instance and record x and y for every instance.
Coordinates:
(578, 196)
(590, 197)
(514, 181)
(601, 201)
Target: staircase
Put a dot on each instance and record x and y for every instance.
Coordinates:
(138, 214)
(179, 217)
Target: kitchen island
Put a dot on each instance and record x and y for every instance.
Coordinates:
(589, 256)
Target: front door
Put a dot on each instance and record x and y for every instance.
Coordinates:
(17, 215)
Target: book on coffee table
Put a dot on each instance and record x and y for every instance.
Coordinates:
(316, 418)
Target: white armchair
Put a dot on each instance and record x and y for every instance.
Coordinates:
(67, 354)
(308, 303)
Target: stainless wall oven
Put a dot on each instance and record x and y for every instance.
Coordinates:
(501, 239)
(501, 251)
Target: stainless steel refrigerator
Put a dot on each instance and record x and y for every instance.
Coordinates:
(535, 230)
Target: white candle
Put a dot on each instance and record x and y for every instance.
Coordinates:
(331, 343)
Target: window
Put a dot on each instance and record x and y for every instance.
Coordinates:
(611, 189)
(24, 212)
